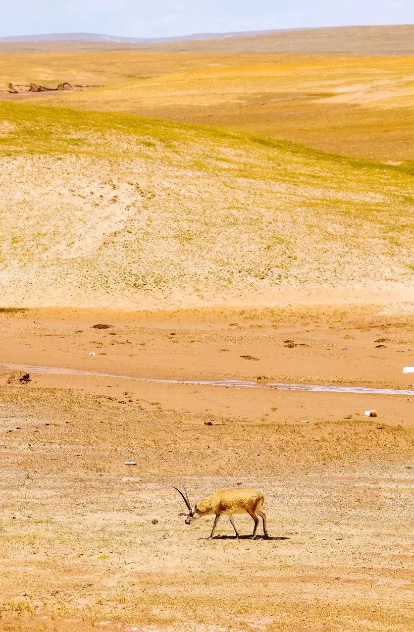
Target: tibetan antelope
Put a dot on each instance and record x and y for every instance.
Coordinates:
(228, 502)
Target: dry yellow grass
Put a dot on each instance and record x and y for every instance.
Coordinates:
(345, 105)
(108, 68)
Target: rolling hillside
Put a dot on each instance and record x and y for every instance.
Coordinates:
(103, 209)
(352, 106)
(355, 40)
(117, 67)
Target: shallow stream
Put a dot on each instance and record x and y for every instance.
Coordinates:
(277, 386)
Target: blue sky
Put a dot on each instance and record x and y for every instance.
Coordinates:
(164, 18)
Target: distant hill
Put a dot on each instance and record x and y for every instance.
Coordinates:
(355, 40)
(98, 37)
(63, 37)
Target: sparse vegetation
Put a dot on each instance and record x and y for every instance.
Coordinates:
(331, 220)
(355, 106)
(298, 191)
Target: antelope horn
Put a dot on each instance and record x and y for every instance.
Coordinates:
(184, 498)
(186, 494)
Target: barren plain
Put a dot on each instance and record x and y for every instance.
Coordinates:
(87, 542)
(142, 256)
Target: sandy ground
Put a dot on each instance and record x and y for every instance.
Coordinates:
(87, 542)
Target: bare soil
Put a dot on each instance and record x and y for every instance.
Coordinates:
(87, 542)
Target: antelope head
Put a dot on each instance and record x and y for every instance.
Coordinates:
(192, 512)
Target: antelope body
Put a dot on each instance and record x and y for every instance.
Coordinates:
(228, 502)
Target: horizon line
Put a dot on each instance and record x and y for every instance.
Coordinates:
(205, 34)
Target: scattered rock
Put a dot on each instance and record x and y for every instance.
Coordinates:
(18, 376)
(208, 423)
(381, 347)
(249, 357)
(34, 87)
(65, 86)
(37, 87)
(155, 521)
(101, 326)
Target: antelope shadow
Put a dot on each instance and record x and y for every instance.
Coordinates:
(248, 537)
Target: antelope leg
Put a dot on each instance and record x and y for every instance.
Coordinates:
(234, 526)
(263, 517)
(256, 524)
(217, 518)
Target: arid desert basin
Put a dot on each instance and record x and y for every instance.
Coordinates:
(206, 282)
